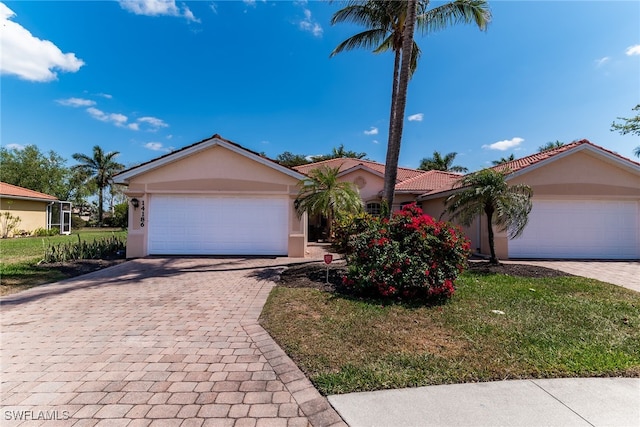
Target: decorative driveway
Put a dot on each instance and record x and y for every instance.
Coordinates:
(152, 342)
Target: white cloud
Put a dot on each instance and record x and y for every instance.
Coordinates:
(156, 146)
(105, 95)
(29, 57)
(134, 126)
(249, 2)
(375, 141)
(157, 8)
(505, 145)
(416, 117)
(153, 122)
(214, 7)
(18, 147)
(372, 131)
(115, 118)
(633, 50)
(309, 24)
(600, 62)
(76, 102)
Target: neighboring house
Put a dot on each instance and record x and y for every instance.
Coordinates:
(35, 209)
(213, 197)
(586, 205)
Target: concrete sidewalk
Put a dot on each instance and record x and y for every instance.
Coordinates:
(547, 402)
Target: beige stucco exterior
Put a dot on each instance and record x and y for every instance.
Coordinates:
(217, 169)
(581, 175)
(32, 213)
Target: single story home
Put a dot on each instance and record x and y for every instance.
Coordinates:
(34, 209)
(213, 197)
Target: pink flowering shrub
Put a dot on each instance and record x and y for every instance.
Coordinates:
(408, 256)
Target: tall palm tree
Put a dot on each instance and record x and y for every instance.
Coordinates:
(503, 160)
(440, 163)
(487, 192)
(390, 26)
(322, 194)
(99, 169)
(550, 146)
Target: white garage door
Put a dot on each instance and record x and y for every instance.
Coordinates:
(580, 229)
(201, 225)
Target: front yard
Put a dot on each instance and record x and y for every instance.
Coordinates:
(496, 327)
(20, 257)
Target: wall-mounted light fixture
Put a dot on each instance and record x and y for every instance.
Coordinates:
(135, 203)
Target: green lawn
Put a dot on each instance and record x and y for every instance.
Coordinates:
(551, 327)
(19, 258)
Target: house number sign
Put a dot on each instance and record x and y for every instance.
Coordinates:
(142, 214)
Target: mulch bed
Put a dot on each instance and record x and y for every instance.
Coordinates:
(313, 275)
(81, 266)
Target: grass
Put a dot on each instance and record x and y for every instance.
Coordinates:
(551, 327)
(19, 258)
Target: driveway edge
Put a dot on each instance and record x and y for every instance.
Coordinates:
(315, 407)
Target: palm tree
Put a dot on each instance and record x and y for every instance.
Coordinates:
(390, 26)
(550, 146)
(503, 160)
(439, 163)
(339, 153)
(636, 151)
(506, 206)
(99, 169)
(322, 194)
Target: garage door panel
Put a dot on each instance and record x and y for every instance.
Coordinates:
(201, 225)
(580, 229)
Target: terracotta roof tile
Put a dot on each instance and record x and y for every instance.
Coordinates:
(349, 163)
(524, 162)
(428, 181)
(15, 191)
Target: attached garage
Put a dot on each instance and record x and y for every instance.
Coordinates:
(213, 198)
(587, 229)
(206, 225)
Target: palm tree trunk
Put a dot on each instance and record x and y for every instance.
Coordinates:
(395, 136)
(394, 93)
(493, 259)
(100, 205)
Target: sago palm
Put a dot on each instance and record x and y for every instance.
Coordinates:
(487, 192)
(321, 193)
(390, 26)
(441, 163)
(100, 169)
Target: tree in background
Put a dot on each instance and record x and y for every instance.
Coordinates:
(322, 194)
(631, 125)
(339, 153)
(550, 146)
(30, 168)
(390, 26)
(290, 160)
(487, 192)
(440, 163)
(503, 160)
(98, 169)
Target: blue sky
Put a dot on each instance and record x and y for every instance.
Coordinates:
(145, 77)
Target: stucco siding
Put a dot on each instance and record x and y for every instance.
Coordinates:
(32, 214)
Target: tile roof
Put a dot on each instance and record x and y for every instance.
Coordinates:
(428, 181)
(346, 163)
(15, 191)
(524, 162)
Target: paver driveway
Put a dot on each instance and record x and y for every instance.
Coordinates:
(171, 342)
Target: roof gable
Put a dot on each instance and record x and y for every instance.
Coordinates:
(216, 140)
(13, 191)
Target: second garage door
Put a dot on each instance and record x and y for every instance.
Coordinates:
(204, 225)
(586, 229)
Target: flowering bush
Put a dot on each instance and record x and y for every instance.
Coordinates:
(408, 256)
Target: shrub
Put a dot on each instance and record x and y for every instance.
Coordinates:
(8, 224)
(349, 225)
(408, 256)
(77, 222)
(108, 247)
(43, 232)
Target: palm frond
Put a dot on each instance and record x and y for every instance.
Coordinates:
(369, 39)
(456, 12)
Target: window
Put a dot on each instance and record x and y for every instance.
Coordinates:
(373, 208)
